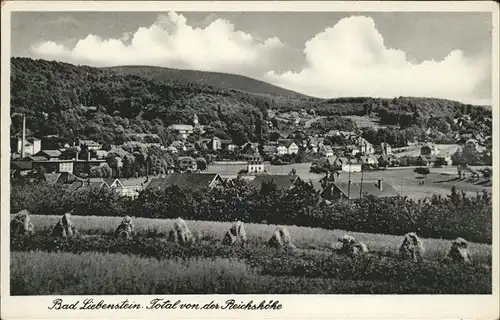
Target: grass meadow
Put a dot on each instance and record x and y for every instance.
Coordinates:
(258, 234)
(96, 263)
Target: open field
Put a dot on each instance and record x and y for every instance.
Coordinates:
(414, 151)
(403, 179)
(96, 263)
(303, 237)
(365, 121)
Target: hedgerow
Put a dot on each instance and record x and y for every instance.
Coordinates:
(456, 215)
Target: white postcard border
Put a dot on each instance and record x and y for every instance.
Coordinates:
(294, 306)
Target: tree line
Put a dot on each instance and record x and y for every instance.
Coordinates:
(455, 215)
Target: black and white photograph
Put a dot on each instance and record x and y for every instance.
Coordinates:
(248, 152)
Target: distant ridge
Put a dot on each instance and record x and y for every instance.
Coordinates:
(207, 78)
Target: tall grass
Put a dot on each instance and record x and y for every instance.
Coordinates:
(42, 273)
(258, 234)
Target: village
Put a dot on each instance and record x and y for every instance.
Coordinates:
(349, 170)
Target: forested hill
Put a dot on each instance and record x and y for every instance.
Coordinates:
(55, 97)
(204, 78)
(52, 95)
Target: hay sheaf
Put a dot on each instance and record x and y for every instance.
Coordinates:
(412, 248)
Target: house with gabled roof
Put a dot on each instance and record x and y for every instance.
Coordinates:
(326, 151)
(368, 160)
(21, 167)
(88, 183)
(91, 144)
(188, 180)
(187, 164)
(386, 148)
(113, 182)
(132, 186)
(227, 144)
(269, 149)
(283, 182)
(290, 147)
(351, 190)
(60, 178)
(49, 154)
(184, 129)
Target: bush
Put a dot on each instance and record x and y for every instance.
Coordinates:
(437, 217)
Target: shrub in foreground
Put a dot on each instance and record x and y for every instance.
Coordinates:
(437, 217)
(36, 273)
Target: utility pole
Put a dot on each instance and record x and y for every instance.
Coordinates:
(361, 187)
(349, 182)
(24, 137)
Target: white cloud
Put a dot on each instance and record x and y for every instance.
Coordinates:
(50, 48)
(348, 59)
(170, 41)
(351, 59)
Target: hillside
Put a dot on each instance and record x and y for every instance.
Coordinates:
(125, 103)
(204, 78)
(148, 99)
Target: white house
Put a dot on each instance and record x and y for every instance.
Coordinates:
(386, 148)
(327, 151)
(290, 146)
(91, 144)
(215, 144)
(31, 146)
(365, 147)
(184, 129)
(281, 150)
(352, 167)
(354, 150)
(255, 165)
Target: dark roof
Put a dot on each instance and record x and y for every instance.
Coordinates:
(50, 153)
(284, 182)
(428, 158)
(269, 148)
(387, 157)
(187, 180)
(21, 165)
(369, 188)
(82, 184)
(37, 158)
(286, 142)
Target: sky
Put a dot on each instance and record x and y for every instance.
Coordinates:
(322, 54)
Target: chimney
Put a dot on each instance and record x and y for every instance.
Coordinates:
(88, 155)
(76, 158)
(379, 184)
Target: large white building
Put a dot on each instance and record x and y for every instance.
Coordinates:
(31, 146)
(255, 165)
(184, 129)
